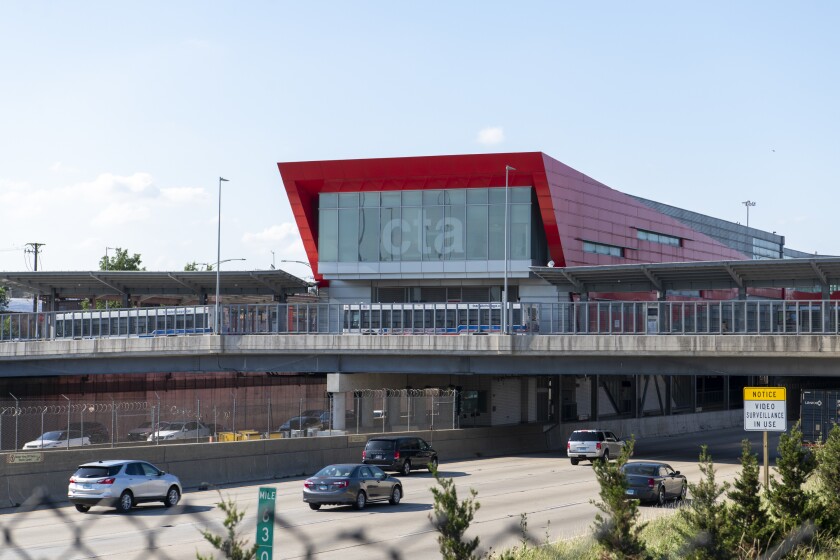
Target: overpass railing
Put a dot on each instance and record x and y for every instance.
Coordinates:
(754, 317)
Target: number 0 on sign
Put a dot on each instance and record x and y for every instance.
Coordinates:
(765, 409)
(265, 523)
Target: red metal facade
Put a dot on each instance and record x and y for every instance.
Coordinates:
(574, 207)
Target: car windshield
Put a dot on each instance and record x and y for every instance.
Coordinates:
(97, 471)
(586, 436)
(336, 470)
(174, 426)
(380, 445)
(144, 425)
(644, 470)
(53, 436)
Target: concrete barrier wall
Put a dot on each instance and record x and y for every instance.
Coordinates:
(653, 426)
(216, 464)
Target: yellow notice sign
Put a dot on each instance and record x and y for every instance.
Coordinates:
(765, 394)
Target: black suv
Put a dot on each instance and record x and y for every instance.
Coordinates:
(399, 453)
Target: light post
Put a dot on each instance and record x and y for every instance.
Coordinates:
(304, 263)
(220, 262)
(218, 254)
(748, 203)
(505, 326)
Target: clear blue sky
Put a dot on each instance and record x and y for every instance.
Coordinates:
(117, 118)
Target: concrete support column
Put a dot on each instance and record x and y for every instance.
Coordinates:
(339, 407)
(668, 393)
(726, 391)
(596, 385)
(126, 299)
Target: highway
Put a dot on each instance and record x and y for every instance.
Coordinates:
(554, 494)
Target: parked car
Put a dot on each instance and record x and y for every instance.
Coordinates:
(300, 423)
(349, 419)
(181, 430)
(96, 431)
(57, 439)
(593, 445)
(144, 430)
(399, 453)
(652, 481)
(122, 484)
(351, 484)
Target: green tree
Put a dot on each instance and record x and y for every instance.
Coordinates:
(747, 515)
(230, 544)
(617, 531)
(706, 517)
(121, 261)
(4, 298)
(193, 267)
(451, 518)
(790, 504)
(828, 477)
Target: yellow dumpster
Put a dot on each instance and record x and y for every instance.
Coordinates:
(247, 435)
(275, 435)
(227, 436)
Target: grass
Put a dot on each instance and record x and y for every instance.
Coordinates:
(663, 541)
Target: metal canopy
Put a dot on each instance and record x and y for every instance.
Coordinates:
(142, 283)
(805, 274)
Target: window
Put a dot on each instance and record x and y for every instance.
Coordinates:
(654, 237)
(602, 249)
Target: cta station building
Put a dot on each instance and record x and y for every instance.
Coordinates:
(422, 230)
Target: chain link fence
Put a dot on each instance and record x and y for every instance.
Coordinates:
(75, 422)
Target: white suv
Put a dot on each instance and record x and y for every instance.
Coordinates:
(592, 445)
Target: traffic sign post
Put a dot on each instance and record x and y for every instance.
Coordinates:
(265, 523)
(765, 410)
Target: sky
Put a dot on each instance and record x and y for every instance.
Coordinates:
(118, 118)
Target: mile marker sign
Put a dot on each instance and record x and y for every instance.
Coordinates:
(765, 409)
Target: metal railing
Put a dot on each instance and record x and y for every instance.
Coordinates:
(41, 425)
(754, 317)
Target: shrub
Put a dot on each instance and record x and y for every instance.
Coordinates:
(706, 527)
(747, 514)
(790, 504)
(452, 518)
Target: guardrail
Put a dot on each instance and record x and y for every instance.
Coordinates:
(754, 317)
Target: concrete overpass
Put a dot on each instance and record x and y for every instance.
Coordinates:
(779, 355)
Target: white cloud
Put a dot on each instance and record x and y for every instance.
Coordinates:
(282, 234)
(60, 168)
(491, 135)
(185, 195)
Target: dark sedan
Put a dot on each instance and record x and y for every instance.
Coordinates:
(652, 481)
(351, 484)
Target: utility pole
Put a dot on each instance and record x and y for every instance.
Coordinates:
(34, 248)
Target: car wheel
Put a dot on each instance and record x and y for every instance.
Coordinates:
(406, 468)
(575, 461)
(660, 498)
(82, 508)
(433, 464)
(396, 496)
(361, 501)
(315, 506)
(173, 496)
(683, 492)
(125, 502)
(606, 457)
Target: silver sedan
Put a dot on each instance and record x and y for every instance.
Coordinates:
(351, 484)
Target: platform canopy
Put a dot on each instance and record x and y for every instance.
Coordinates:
(68, 285)
(802, 274)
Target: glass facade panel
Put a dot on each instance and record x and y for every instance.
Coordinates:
(435, 225)
(496, 223)
(369, 234)
(348, 200)
(328, 235)
(390, 246)
(328, 200)
(348, 234)
(412, 234)
(476, 232)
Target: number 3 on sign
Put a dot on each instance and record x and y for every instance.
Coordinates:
(265, 535)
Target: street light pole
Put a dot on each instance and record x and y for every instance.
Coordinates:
(218, 254)
(505, 326)
(748, 203)
(107, 267)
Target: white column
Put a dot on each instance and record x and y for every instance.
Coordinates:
(339, 406)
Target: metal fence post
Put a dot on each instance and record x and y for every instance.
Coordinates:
(233, 428)
(113, 421)
(68, 418)
(17, 414)
(42, 428)
(157, 424)
(197, 416)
